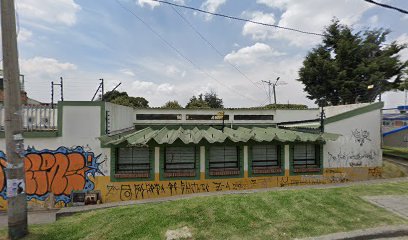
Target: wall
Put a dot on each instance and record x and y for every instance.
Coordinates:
(76, 161)
(359, 145)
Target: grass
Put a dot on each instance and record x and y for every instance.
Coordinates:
(267, 215)
(393, 151)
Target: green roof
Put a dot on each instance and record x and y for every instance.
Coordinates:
(195, 135)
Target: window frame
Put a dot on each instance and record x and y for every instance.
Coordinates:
(315, 168)
(279, 169)
(166, 174)
(226, 172)
(120, 175)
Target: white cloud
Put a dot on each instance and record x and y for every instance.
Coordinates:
(128, 72)
(142, 88)
(258, 31)
(173, 71)
(153, 4)
(251, 54)
(212, 6)
(24, 35)
(45, 66)
(403, 39)
(313, 16)
(373, 20)
(149, 3)
(48, 11)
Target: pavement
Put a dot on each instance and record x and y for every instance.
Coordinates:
(34, 217)
(397, 204)
(385, 232)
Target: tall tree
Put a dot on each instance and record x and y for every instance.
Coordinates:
(212, 100)
(197, 102)
(341, 68)
(122, 98)
(172, 105)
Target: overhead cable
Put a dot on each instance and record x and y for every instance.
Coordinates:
(238, 18)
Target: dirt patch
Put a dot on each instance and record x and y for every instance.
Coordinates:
(178, 234)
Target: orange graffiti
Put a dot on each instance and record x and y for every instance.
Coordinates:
(52, 172)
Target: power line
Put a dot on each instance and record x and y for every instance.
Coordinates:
(384, 5)
(179, 53)
(212, 46)
(237, 18)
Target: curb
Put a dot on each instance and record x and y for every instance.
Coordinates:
(371, 233)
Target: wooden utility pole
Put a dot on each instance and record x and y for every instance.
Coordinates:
(17, 204)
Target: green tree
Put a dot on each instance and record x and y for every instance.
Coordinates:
(341, 68)
(197, 102)
(172, 105)
(212, 100)
(122, 98)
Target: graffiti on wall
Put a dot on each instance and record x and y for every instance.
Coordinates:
(361, 136)
(58, 171)
(352, 159)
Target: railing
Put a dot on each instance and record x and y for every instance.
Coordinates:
(35, 118)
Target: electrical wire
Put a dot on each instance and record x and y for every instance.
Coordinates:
(212, 46)
(238, 19)
(385, 6)
(179, 52)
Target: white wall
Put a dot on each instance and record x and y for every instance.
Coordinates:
(359, 145)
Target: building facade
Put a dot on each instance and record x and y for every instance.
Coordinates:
(123, 154)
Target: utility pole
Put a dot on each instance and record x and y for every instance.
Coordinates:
(16, 196)
(102, 88)
(273, 84)
(52, 91)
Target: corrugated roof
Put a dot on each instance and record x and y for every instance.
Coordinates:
(195, 135)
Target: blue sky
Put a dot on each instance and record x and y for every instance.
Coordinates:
(83, 41)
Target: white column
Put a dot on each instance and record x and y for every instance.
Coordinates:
(157, 160)
(287, 149)
(245, 158)
(202, 159)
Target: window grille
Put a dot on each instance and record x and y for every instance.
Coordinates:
(224, 160)
(180, 161)
(266, 159)
(133, 162)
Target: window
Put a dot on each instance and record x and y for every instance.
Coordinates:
(133, 162)
(180, 161)
(224, 160)
(266, 159)
(306, 158)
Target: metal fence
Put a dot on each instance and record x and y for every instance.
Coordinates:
(35, 118)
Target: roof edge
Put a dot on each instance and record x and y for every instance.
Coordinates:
(354, 112)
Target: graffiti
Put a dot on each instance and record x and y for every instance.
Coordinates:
(352, 159)
(375, 172)
(361, 136)
(59, 172)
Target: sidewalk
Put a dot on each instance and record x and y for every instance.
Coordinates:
(34, 217)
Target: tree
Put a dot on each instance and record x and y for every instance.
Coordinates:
(172, 105)
(212, 100)
(341, 68)
(122, 98)
(197, 102)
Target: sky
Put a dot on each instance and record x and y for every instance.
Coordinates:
(163, 53)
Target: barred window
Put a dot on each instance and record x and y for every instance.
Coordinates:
(133, 162)
(180, 161)
(266, 159)
(306, 157)
(224, 160)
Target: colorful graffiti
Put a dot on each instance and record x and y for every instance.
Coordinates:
(59, 172)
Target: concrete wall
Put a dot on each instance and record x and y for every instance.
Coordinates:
(76, 161)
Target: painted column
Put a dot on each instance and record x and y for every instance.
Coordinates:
(157, 164)
(202, 162)
(287, 160)
(245, 161)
